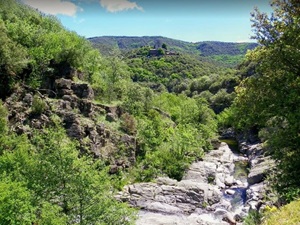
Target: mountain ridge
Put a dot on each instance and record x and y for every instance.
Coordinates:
(227, 53)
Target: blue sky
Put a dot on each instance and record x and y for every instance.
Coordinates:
(187, 20)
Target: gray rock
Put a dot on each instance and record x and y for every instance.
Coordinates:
(166, 181)
(228, 217)
(63, 84)
(28, 98)
(259, 169)
(150, 218)
(110, 117)
(229, 192)
(82, 91)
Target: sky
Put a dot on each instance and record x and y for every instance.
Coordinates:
(186, 20)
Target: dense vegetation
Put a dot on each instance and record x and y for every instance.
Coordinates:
(32, 44)
(170, 106)
(226, 54)
(43, 181)
(44, 178)
(287, 215)
(183, 74)
(268, 97)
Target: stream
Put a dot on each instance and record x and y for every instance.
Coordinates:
(240, 173)
(213, 191)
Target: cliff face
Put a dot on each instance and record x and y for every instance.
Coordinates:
(71, 104)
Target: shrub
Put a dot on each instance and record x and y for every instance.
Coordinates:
(128, 123)
(288, 214)
(38, 105)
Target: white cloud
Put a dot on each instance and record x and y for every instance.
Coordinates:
(54, 7)
(119, 5)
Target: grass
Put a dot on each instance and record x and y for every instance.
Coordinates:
(287, 215)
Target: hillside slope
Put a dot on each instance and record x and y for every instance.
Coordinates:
(229, 54)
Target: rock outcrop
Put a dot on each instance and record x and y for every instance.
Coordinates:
(197, 199)
(259, 166)
(84, 120)
(212, 191)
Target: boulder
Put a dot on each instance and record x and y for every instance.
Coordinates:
(110, 117)
(63, 84)
(82, 90)
(259, 169)
(230, 192)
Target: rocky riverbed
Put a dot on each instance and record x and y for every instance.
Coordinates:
(211, 192)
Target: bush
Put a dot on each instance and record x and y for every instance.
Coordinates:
(253, 218)
(288, 214)
(128, 123)
(38, 105)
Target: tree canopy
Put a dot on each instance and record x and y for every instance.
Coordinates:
(269, 99)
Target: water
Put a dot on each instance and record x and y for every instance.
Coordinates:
(241, 171)
(238, 199)
(240, 167)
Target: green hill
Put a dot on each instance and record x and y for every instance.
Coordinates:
(226, 53)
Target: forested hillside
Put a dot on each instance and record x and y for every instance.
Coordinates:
(226, 54)
(76, 126)
(77, 123)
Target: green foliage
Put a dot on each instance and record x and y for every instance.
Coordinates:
(253, 218)
(38, 105)
(269, 99)
(221, 100)
(51, 215)
(138, 99)
(164, 46)
(287, 215)
(63, 187)
(15, 203)
(171, 155)
(111, 83)
(3, 120)
(168, 70)
(13, 58)
(172, 135)
(128, 124)
(226, 54)
(30, 41)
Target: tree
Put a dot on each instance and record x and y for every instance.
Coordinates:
(15, 203)
(115, 76)
(270, 98)
(54, 185)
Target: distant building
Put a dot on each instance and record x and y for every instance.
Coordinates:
(158, 52)
(153, 52)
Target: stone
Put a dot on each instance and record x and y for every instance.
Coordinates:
(28, 98)
(113, 169)
(259, 169)
(85, 107)
(110, 117)
(228, 134)
(62, 92)
(228, 217)
(166, 181)
(76, 131)
(63, 84)
(82, 90)
(230, 192)
(229, 180)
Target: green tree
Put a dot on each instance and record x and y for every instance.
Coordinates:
(270, 98)
(15, 203)
(64, 189)
(115, 76)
